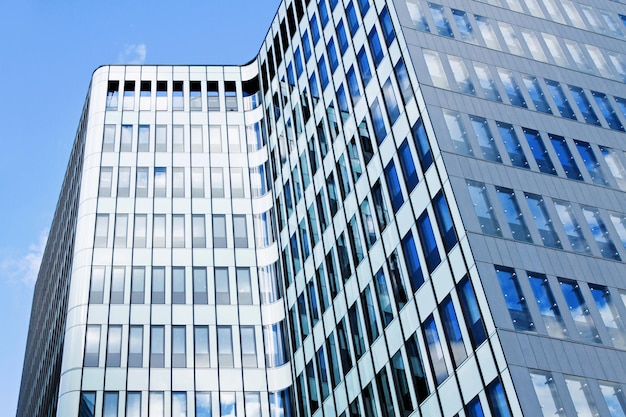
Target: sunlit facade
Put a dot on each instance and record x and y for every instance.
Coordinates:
(398, 208)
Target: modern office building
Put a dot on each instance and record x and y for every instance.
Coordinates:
(398, 208)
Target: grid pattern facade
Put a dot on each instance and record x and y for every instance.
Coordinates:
(399, 208)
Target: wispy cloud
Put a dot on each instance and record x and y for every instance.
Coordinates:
(23, 268)
(133, 54)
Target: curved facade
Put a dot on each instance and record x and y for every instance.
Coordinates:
(399, 208)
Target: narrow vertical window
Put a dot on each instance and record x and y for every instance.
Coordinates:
(123, 182)
(412, 261)
(393, 185)
(92, 346)
(441, 21)
(117, 285)
(417, 15)
(160, 181)
(141, 183)
(560, 99)
(565, 157)
(96, 289)
(609, 314)
(461, 75)
(616, 167)
(179, 347)
(158, 231)
(487, 32)
(178, 230)
(581, 395)
(178, 285)
(511, 87)
(391, 102)
(416, 366)
(435, 351)
(128, 102)
(222, 286)
(546, 303)
(156, 404)
(580, 313)
(619, 222)
(121, 231)
(584, 106)
(87, 406)
(160, 138)
(591, 163)
(240, 231)
(512, 145)
(201, 346)
(137, 285)
(178, 138)
(429, 244)
(380, 131)
(547, 393)
(198, 230)
(135, 347)
(457, 132)
(600, 233)
(143, 140)
(536, 94)
(514, 298)
(158, 285)
(435, 69)
(614, 397)
(126, 140)
(219, 231)
(471, 312)
(179, 404)
(217, 182)
(106, 180)
(572, 228)
(225, 346)
(248, 346)
(387, 25)
(483, 209)
(452, 330)
(157, 347)
(112, 95)
(404, 83)
(539, 151)
(485, 139)
(101, 238)
(543, 222)
(200, 295)
(114, 346)
(513, 214)
(133, 404)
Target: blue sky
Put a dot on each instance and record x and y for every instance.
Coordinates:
(47, 54)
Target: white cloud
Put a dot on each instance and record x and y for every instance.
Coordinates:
(24, 268)
(133, 54)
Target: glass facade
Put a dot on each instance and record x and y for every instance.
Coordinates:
(347, 225)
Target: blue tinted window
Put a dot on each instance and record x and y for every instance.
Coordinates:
(548, 308)
(570, 225)
(600, 233)
(342, 101)
(290, 78)
(295, 253)
(487, 84)
(384, 300)
(463, 25)
(565, 157)
(621, 103)
(452, 331)
(536, 94)
(371, 322)
(391, 103)
(542, 221)
(444, 220)
(515, 300)
(512, 145)
(379, 124)
(418, 375)
(408, 166)
(485, 139)
(422, 145)
(375, 46)
(474, 409)
(513, 214)
(441, 21)
(429, 244)
(298, 61)
(512, 88)
(332, 55)
(591, 163)
(435, 351)
(87, 407)
(342, 37)
(321, 65)
(364, 67)
(364, 5)
(561, 101)
(412, 261)
(607, 111)
(385, 22)
(609, 314)
(315, 29)
(323, 12)
(471, 312)
(315, 90)
(580, 313)
(402, 76)
(497, 400)
(353, 84)
(483, 208)
(539, 151)
(393, 185)
(306, 45)
(353, 21)
(584, 106)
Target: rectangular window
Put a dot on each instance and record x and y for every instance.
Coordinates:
(117, 284)
(217, 182)
(123, 182)
(179, 404)
(607, 111)
(471, 312)
(572, 228)
(222, 286)
(137, 285)
(412, 261)
(133, 404)
(158, 232)
(126, 140)
(547, 393)
(435, 350)
(143, 141)
(515, 300)
(111, 102)
(157, 346)
(225, 346)
(201, 346)
(121, 231)
(584, 105)
(198, 230)
(581, 396)
(158, 285)
(487, 32)
(539, 151)
(511, 38)
(513, 214)
(534, 45)
(609, 314)
(178, 285)
(197, 182)
(160, 181)
(129, 95)
(457, 133)
(429, 244)
(512, 145)
(452, 331)
(364, 67)
(161, 138)
(616, 167)
(614, 397)
(96, 289)
(619, 222)
(179, 347)
(178, 230)
(101, 238)
(219, 231)
(435, 69)
(536, 94)
(580, 313)
(512, 88)
(106, 179)
(565, 157)
(200, 295)
(114, 346)
(178, 182)
(600, 233)
(135, 347)
(248, 346)
(562, 103)
(141, 224)
(485, 139)
(244, 286)
(92, 346)
(461, 75)
(546, 303)
(156, 404)
(141, 184)
(240, 231)
(110, 404)
(393, 186)
(484, 209)
(543, 222)
(462, 24)
(178, 138)
(441, 21)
